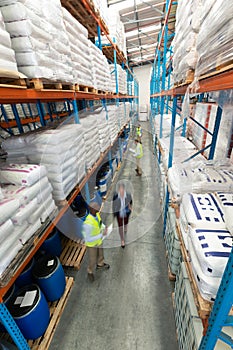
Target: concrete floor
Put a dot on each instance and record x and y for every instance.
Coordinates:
(128, 307)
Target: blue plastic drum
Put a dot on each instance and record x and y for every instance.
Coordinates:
(25, 278)
(52, 245)
(30, 311)
(6, 299)
(49, 275)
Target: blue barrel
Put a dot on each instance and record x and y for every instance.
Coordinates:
(49, 275)
(25, 277)
(52, 245)
(6, 299)
(30, 311)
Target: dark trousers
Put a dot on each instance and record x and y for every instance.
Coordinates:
(123, 225)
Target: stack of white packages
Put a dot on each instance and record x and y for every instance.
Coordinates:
(103, 128)
(27, 203)
(187, 27)
(91, 137)
(207, 239)
(226, 202)
(7, 60)
(61, 151)
(123, 114)
(167, 118)
(225, 134)
(39, 39)
(100, 69)
(102, 7)
(200, 177)
(116, 29)
(80, 51)
(113, 122)
(205, 114)
(182, 150)
(216, 29)
(121, 79)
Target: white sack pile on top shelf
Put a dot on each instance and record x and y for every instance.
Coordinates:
(187, 27)
(205, 231)
(61, 151)
(7, 59)
(100, 69)
(26, 202)
(39, 39)
(80, 51)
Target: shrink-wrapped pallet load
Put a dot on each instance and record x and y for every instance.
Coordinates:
(39, 39)
(7, 59)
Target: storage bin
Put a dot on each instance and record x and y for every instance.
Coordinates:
(30, 311)
(49, 275)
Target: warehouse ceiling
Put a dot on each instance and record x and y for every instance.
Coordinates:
(143, 21)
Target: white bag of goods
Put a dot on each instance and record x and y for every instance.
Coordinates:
(30, 231)
(208, 286)
(26, 194)
(203, 210)
(8, 207)
(21, 174)
(7, 255)
(24, 212)
(212, 248)
(226, 203)
(6, 228)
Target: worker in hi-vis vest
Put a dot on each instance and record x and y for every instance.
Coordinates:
(93, 232)
(138, 154)
(139, 132)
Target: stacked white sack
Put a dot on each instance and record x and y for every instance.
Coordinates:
(7, 60)
(200, 177)
(102, 8)
(207, 239)
(80, 51)
(116, 30)
(187, 27)
(225, 134)
(61, 150)
(39, 40)
(26, 205)
(103, 128)
(182, 150)
(100, 69)
(91, 137)
(113, 122)
(216, 29)
(121, 78)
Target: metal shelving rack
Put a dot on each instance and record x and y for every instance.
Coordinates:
(161, 95)
(15, 95)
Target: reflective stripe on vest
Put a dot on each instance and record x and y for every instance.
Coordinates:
(141, 151)
(93, 237)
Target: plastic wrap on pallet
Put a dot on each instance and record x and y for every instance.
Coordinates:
(42, 54)
(7, 60)
(172, 242)
(226, 203)
(216, 30)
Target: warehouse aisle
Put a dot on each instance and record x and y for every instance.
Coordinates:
(128, 307)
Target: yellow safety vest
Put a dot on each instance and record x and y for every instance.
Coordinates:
(139, 132)
(141, 151)
(94, 238)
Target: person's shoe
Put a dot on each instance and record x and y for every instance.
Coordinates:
(123, 244)
(136, 170)
(104, 266)
(91, 277)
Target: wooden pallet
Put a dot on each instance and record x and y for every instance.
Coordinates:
(72, 253)
(188, 79)
(56, 310)
(204, 307)
(13, 82)
(217, 70)
(84, 88)
(44, 84)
